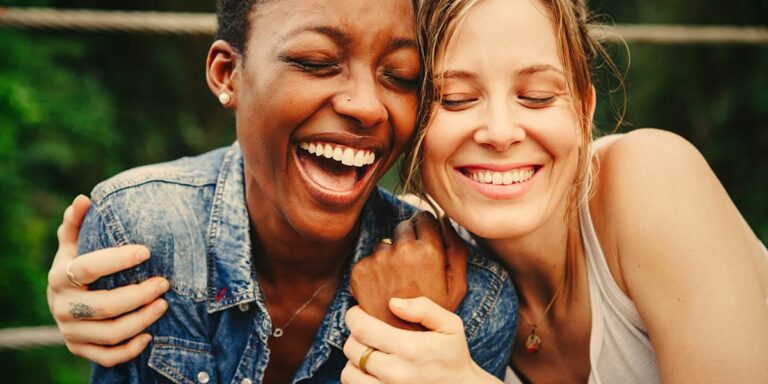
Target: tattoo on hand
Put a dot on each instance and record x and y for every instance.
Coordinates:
(81, 311)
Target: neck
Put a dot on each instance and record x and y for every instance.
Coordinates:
(285, 257)
(538, 260)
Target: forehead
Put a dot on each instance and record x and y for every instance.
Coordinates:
(507, 33)
(359, 19)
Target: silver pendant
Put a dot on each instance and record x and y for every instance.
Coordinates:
(277, 332)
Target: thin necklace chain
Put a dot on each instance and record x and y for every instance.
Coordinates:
(546, 310)
(277, 332)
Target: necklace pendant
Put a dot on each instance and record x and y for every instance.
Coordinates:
(277, 333)
(533, 342)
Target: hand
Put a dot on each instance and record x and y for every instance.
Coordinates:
(400, 356)
(94, 323)
(424, 260)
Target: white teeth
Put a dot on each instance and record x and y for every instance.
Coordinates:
(338, 153)
(359, 159)
(502, 178)
(347, 156)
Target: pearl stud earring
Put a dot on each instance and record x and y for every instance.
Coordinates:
(224, 98)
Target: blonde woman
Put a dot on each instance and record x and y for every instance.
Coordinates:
(631, 263)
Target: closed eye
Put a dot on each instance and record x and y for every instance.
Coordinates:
(457, 104)
(537, 101)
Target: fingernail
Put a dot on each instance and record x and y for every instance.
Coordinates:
(142, 254)
(163, 286)
(146, 338)
(160, 307)
(399, 303)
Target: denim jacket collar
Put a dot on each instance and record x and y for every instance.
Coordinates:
(230, 267)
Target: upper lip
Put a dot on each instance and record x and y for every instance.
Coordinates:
(370, 143)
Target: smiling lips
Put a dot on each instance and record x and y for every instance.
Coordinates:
(346, 155)
(514, 176)
(338, 174)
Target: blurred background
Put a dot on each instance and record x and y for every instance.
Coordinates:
(78, 107)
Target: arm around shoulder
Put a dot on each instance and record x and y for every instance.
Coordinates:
(686, 259)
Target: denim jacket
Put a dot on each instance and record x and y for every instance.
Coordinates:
(191, 213)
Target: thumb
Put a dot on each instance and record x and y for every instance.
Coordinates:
(426, 312)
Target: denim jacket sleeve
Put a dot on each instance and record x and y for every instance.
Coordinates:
(490, 327)
(94, 235)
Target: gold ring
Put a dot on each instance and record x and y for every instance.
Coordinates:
(71, 276)
(387, 241)
(364, 359)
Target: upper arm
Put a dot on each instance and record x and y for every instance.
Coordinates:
(685, 258)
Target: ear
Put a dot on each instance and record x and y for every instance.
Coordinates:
(221, 69)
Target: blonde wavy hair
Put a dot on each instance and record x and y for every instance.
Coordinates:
(436, 22)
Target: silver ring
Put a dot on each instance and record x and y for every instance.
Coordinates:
(71, 276)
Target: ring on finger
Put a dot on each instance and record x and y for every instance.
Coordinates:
(71, 276)
(364, 359)
(387, 241)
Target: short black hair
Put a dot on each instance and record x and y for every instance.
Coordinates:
(233, 18)
(234, 21)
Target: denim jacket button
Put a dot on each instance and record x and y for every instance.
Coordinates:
(246, 381)
(203, 377)
(244, 307)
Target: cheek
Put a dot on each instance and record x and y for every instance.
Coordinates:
(402, 110)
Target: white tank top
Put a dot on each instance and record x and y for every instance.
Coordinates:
(619, 348)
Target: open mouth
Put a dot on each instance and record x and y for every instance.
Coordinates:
(336, 169)
(509, 177)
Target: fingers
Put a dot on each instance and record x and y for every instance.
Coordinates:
(353, 375)
(113, 331)
(92, 266)
(456, 261)
(425, 312)
(371, 331)
(404, 231)
(375, 363)
(105, 304)
(113, 355)
(73, 217)
(427, 228)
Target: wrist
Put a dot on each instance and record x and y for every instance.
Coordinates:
(478, 375)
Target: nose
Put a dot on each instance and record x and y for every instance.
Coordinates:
(361, 101)
(499, 129)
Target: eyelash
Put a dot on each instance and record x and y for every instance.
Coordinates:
(538, 101)
(402, 82)
(310, 66)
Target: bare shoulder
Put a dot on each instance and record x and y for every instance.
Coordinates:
(681, 250)
(646, 173)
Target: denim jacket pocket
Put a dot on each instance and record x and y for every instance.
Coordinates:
(183, 361)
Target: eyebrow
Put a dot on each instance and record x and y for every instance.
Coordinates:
(402, 43)
(527, 71)
(334, 34)
(342, 39)
(537, 68)
(455, 75)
